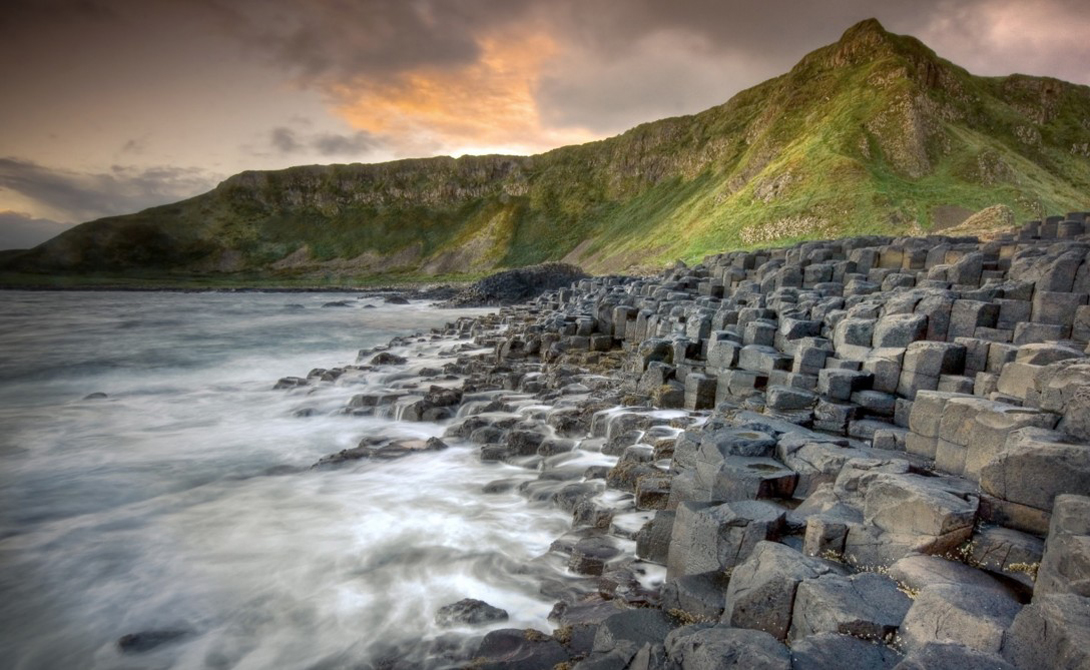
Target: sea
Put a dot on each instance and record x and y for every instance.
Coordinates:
(154, 485)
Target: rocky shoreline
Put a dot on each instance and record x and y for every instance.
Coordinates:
(867, 453)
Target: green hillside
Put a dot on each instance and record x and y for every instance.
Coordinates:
(872, 134)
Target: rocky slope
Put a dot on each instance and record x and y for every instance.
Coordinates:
(872, 134)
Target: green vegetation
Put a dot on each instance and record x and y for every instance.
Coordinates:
(873, 134)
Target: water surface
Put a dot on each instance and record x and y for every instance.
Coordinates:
(183, 501)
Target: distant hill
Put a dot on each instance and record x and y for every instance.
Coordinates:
(872, 134)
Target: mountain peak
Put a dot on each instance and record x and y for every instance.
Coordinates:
(867, 30)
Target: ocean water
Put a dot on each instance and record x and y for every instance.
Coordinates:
(184, 503)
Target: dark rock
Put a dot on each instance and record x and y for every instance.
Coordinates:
(469, 611)
(386, 358)
(511, 286)
(514, 649)
(832, 651)
(722, 647)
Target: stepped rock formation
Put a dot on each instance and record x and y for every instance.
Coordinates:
(874, 134)
(871, 452)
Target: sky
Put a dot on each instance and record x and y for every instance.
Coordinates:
(111, 106)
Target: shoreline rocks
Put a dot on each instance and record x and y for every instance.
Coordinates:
(871, 448)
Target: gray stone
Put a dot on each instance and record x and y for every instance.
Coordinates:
(990, 427)
(899, 330)
(1018, 379)
(745, 478)
(918, 572)
(972, 616)
(840, 384)
(1064, 388)
(1006, 551)
(915, 505)
(762, 589)
(718, 445)
(700, 595)
(936, 655)
(866, 605)
(723, 648)
(653, 539)
(1065, 566)
(515, 649)
(782, 398)
(716, 538)
(927, 411)
(1051, 633)
(1034, 466)
(762, 359)
(832, 651)
(625, 633)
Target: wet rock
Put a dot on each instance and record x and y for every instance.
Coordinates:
(515, 649)
(289, 383)
(95, 396)
(469, 611)
(386, 358)
(590, 555)
(382, 450)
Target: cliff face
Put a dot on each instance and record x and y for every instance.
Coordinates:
(874, 133)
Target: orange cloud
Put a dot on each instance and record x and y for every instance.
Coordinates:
(487, 106)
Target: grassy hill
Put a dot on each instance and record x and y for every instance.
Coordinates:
(872, 134)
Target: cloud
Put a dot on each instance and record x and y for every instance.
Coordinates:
(285, 140)
(334, 144)
(23, 231)
(72, 196)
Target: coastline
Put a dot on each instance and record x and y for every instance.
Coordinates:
(741, 441)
